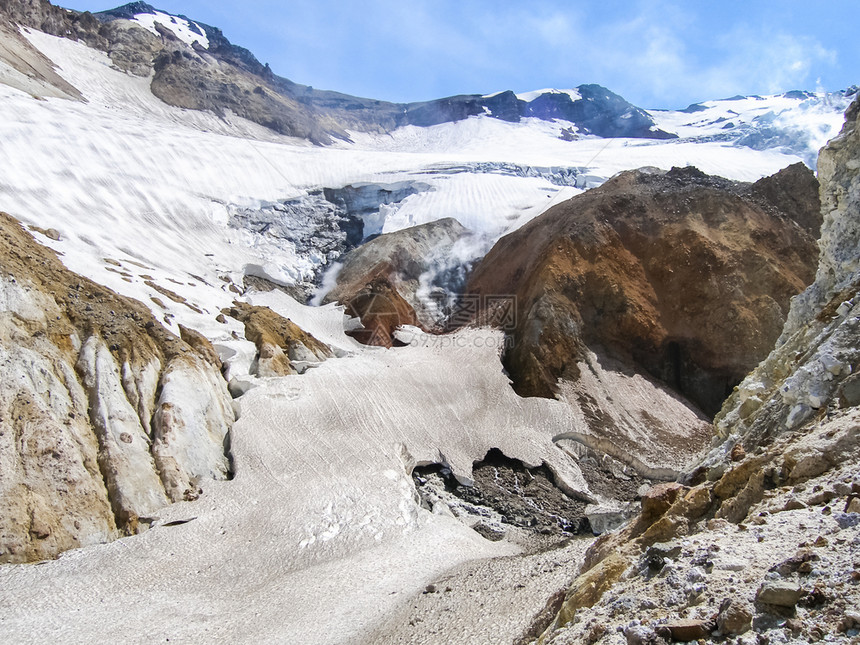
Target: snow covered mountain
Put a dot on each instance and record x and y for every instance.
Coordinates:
(166, 164)
(491, 162)
(797, 122)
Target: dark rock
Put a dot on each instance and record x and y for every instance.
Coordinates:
(849, 391)
(657, 554)
(793, 191)
(127, 11)
(640, 635)
(527, 498)
(668, 550)
(686, 630)
(489, 532)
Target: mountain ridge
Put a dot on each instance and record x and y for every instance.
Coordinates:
(250, 88)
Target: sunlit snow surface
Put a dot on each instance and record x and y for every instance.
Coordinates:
(186, 31)
(319, 534)
(123, 163)
(528, 97)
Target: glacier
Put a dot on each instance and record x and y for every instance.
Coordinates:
(320, 526)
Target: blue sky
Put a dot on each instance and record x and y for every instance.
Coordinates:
(655, 53)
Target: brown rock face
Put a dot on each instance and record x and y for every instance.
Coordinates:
(686, 630)
(381, 310)
(659, 498)
(684, 274)
(280, 342)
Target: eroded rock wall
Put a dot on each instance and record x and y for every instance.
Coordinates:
(105, 416)
(814, 364)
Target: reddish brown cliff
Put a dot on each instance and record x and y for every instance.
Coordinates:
(684, 274)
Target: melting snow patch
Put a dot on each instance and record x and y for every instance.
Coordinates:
(187, 32)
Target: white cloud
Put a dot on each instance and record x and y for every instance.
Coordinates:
(674, 58)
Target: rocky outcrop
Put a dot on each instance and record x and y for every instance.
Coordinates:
(419, 269)
(194, 80)
(54, 20)
(684, 275)
(814, 363)
(105, 416)
(283, 348)
(381, 310)
(761, 540)
(131, 48)
(597, 111)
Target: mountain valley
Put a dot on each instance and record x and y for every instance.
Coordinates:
(281, 364)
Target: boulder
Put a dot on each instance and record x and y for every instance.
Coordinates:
(780, 592)
(686, 630)
(735, 617)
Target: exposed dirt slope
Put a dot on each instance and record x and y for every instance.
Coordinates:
(683, 274)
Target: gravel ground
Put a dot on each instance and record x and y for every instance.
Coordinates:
(486, 601)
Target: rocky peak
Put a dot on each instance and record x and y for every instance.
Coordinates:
(126, 11)
(597, 111)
